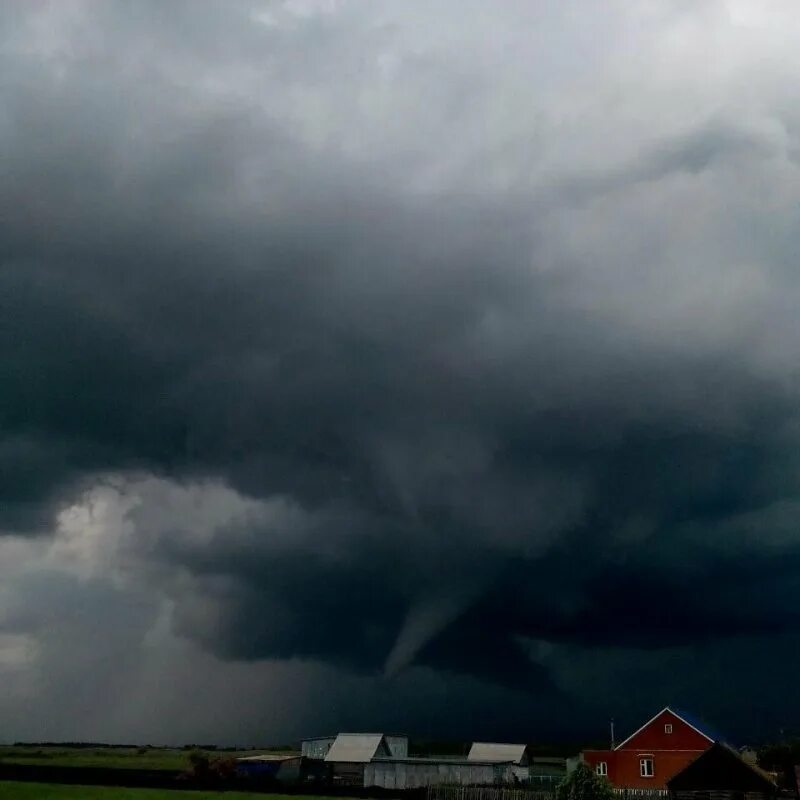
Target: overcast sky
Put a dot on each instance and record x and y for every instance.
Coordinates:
(421, 365)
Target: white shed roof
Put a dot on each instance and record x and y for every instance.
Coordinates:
(496, 753)
(357, 748)
(270, 757)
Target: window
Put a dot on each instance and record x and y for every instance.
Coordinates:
(668, 728)
(646, 767)
(601, 768)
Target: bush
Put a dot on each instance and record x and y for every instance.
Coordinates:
(583, 784)
(224, 768)
(207, 770)
(780, 759)
(199, 763)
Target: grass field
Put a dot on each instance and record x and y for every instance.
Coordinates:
(46, 791)
(130, 757)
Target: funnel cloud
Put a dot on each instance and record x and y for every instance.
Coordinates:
(418, 366)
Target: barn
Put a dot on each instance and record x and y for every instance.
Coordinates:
(721, 774)
(397, 744)
(496, 752)
(500, 753)
(349, 754)
(316, 747)
(649, 757)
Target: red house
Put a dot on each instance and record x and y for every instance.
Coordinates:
(648, 758)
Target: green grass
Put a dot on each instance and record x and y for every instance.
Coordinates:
(130, 757)
(46, 791)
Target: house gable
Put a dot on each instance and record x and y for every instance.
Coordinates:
(719, 769)
(667, 730)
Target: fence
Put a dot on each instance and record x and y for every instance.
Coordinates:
(542, 783)
(486, 793)
(538, 793)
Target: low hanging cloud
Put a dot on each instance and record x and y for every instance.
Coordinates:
(422, 337)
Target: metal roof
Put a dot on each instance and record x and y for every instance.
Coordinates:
(270, 757)
(496, 753)
(356, 748)
(456, 760)
(334, 735)
(722, 767)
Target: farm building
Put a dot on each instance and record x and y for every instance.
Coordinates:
(397, 744)
(413, 773)
(317, 747)
(650, 756)
(497, 753)
(282, 767)
(350, 752)
(382, 760)
(720, 774)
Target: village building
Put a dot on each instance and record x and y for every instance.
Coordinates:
(316, 747)
(721, 774)
(653, 754)
(283, 768)
(494, 752)
(498, 753)
(382, 760)
(349, 754)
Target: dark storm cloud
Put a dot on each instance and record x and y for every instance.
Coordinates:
(499, 409)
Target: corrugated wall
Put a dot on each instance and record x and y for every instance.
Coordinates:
(317, 748)
(398, 746)
(408, 775)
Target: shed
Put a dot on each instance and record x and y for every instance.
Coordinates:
(317, 747)
(350, 752)
(397, 744)
(720, 774)
(495, 752)
(357, 748)
(283, 767)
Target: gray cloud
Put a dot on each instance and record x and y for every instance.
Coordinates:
(463, 330)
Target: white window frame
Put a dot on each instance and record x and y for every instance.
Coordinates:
(643, 767)
(601, 768)
(668, 728)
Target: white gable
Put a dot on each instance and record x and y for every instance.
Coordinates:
(500, 753)
(357, 748)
